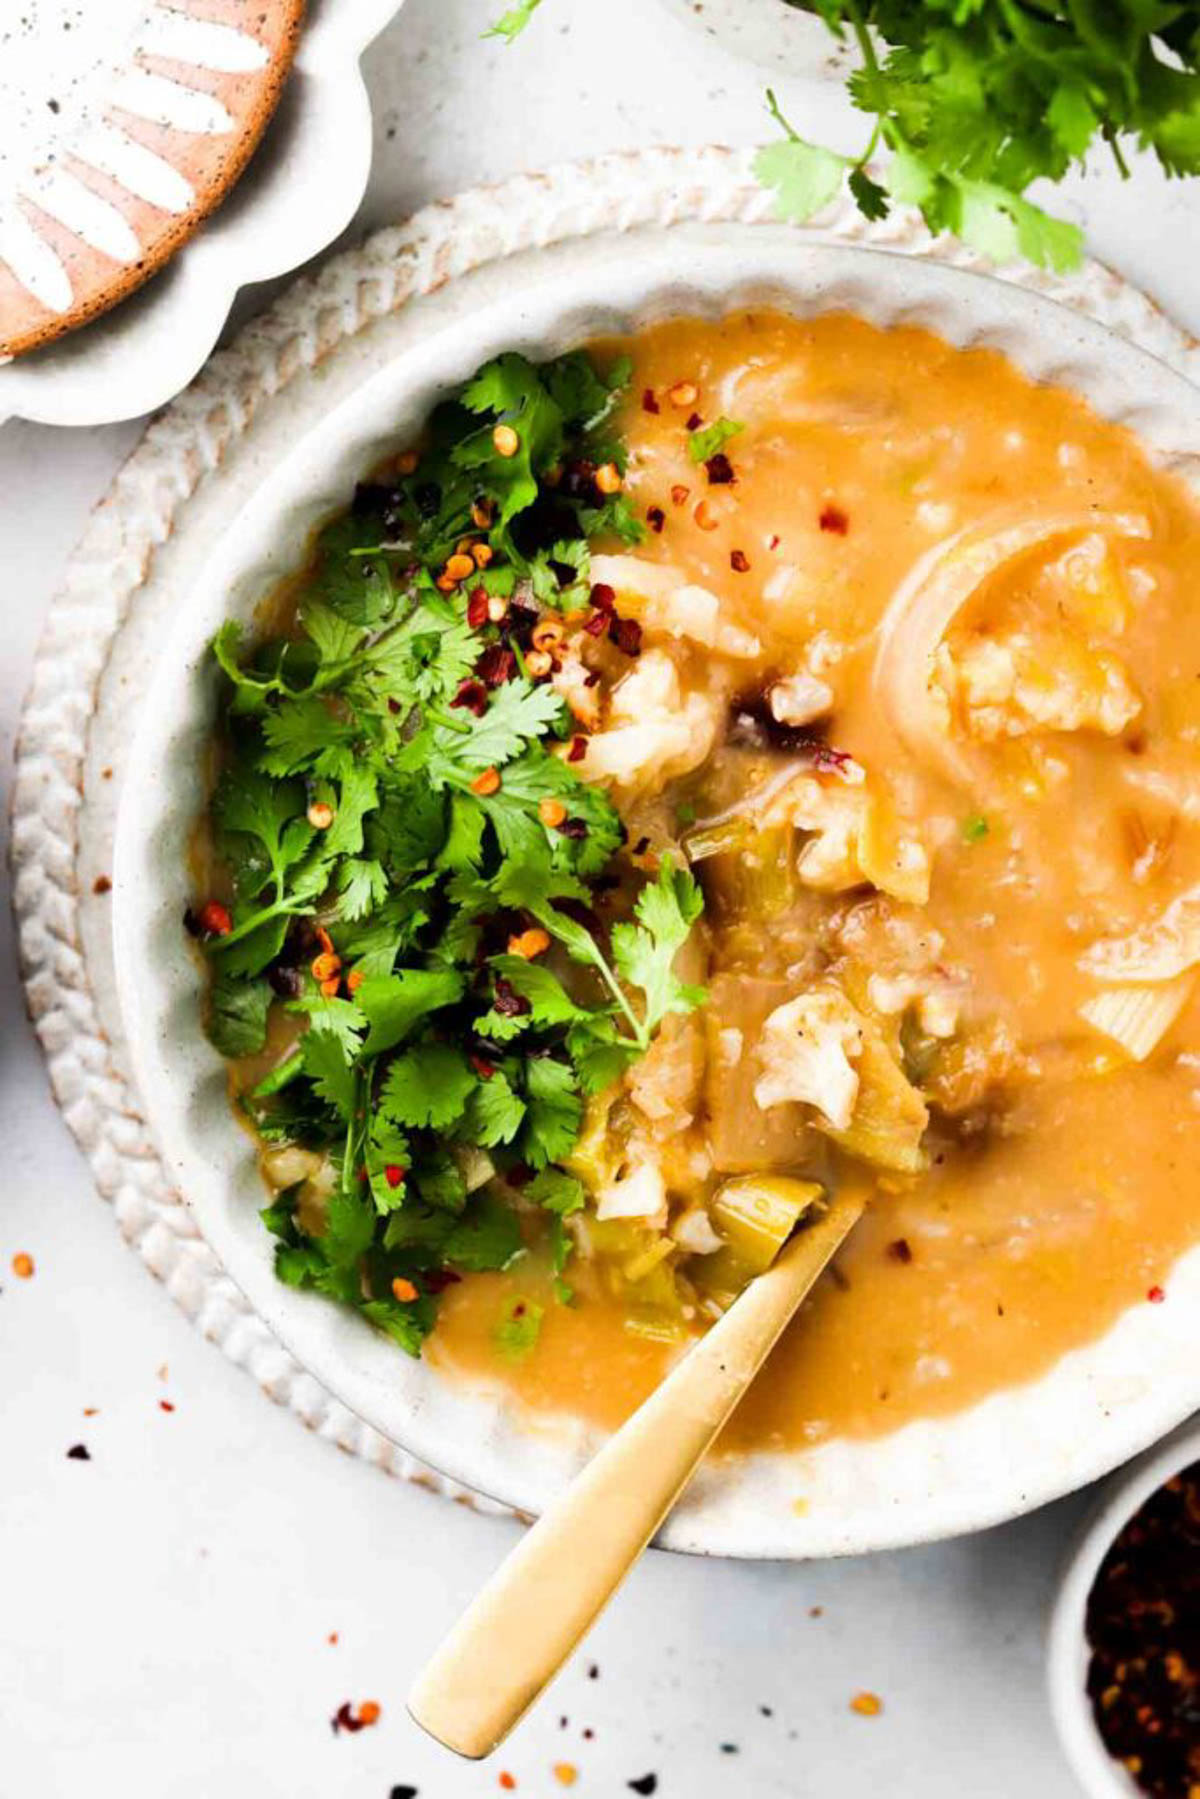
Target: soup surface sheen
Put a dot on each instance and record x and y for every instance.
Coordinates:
(1023, 719)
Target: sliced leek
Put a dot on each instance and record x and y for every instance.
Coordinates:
(1160, 950)
(941, 585)
(1138, 1018)
(756, 1214)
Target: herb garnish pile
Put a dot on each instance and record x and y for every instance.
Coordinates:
(413, 854)
(971, 101)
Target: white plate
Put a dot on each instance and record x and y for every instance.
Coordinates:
(300, 189)
(1017, 1449)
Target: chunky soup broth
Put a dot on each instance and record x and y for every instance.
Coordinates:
(915, 804)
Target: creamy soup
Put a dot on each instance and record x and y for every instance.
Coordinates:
(915, 820)
(839, 826)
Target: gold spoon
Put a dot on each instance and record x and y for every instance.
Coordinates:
(541, 1601)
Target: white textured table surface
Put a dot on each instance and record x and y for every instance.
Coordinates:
(167, 1606)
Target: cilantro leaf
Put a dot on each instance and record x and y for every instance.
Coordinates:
(644, 952)
(327, 1060)
(487, 1237)
(394, 1004)
(706, 442)
(555, 1111)
(494, 1112)
(427, 1086)
(237, 1016)
(556, 1191)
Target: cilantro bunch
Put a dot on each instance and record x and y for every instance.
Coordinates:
(971, 101)
(398, 811)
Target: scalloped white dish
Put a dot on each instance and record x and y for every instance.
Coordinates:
(1098, 1405)
(300, 189)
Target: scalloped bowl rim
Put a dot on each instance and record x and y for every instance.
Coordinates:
(1016, 1449)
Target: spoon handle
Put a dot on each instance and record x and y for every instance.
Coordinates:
(540, 1602)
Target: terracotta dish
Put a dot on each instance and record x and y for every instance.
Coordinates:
(121, 128)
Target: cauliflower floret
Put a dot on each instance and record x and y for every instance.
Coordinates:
(807, 1052)
(694, 1233)
(576, 685)
(799, 699)
(855, 838)
(1025, 682)
(641, 1193)
(653, 734)
(657, 594)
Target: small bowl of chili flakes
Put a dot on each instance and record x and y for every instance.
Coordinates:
(1124, 1648)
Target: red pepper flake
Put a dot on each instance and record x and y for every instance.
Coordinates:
(626, 633)
(694, 422)
(484, 1069)
(214, 919)
(332, 1637)
(393, 1174)
(507, 1781)
(566, 1773)
(473, 695)
(437, 1279)
(346, 1718)
(497, 665)
(597, 624)
(578, 749)
(101, 884)
(164, 1405)
(739, 562)
(720, 470)
(835, 520)
(91, 1411)
(649, 403)
(773, 541)
(656, 518)
(603, 597)
(1156, 1295)
(79, 1452)
(900, 1250)
(508, 1002)
(22, 1266)
(477, 608)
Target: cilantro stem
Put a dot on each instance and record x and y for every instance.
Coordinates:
(277, 909)
(280, 1076)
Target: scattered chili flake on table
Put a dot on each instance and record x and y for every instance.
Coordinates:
(101, 885)
(1156, 1296)
(867, 1705)
(1143, 1627)
(165, 1405)
(507, 1781)
(346, 1718)
(566, 1773)
(22, 1266)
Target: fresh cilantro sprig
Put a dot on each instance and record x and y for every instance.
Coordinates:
(971, 103)
(381, 817)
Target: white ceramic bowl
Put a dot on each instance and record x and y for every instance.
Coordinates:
(1100, 1404)
(1100, 1776)
(301, 187)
